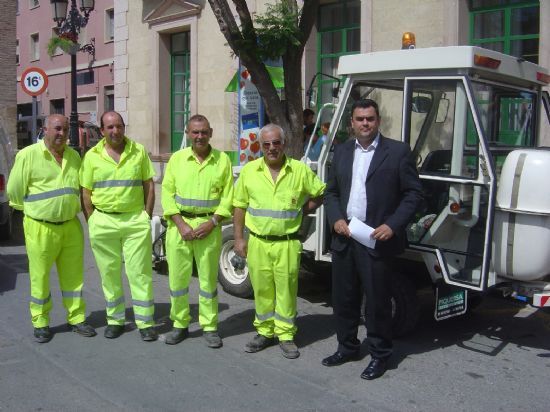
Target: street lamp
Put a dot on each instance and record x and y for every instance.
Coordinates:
(71, 24)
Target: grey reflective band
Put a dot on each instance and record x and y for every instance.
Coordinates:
(41, 301)
(208, 295)
(51, 193)
(117, 315)
(286, 320)
(115, 303)
(275, 214)
(143, 318)
(178, 293)
(117, 183)
(196, 202)
(143, 303)
(265, 316)
(76, 294)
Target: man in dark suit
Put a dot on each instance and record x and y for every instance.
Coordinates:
(373, 179)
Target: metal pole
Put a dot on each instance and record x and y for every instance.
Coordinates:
(73, 120)
(34, 116)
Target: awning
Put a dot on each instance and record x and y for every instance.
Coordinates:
(276, 74)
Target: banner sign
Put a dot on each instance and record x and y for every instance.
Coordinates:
(251, 118)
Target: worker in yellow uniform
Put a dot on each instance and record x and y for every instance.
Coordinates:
(271, 197)
(44, 185)
(118, 198)
(197, 191)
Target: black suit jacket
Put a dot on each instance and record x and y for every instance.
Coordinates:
(394, 192)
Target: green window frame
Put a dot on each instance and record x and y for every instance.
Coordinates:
(508, 26)
(336, 38)
(180, 94)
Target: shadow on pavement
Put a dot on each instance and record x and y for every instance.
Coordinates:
(10, 267)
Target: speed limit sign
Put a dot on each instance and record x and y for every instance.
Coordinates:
(34, 81)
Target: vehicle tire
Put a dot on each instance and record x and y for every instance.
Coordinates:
(234, 281)
(6, 228)
(405, 306)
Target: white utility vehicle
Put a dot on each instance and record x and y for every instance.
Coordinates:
(472, 118)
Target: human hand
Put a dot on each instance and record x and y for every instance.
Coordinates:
(186, 232)
(382, 233)
(204, 229)
(240, 247)
(342, 228)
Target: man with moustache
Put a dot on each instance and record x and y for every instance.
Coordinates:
(373, 179)
(44, 184)
(271, 196)
(118, 198)
(197, 191)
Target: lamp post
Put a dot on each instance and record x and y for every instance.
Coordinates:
(70, 24)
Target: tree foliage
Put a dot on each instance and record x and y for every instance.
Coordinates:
(282, 31)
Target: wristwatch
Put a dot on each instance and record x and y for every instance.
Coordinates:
(214, 221)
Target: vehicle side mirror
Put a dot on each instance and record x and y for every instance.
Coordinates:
(421, 104)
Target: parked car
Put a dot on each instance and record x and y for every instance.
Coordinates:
(6, 160)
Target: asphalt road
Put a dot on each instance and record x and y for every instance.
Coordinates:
(497, 358)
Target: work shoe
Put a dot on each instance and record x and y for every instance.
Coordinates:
(83, 329)
(148, 334)
(289, 348)
(176, 335)
(258, 343)
(212, 339)
(43, 335)
(113, 331)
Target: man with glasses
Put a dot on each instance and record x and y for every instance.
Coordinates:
(271, 197)
(197, 191)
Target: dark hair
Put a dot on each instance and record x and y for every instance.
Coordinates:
(365, 104)
(308, 112)
(109, 112)
(197, 118)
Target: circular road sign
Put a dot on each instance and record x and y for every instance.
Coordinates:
(34, 81)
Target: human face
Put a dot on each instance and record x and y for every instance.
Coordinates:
(365, 124)
(56, 132)
(199, 133)
(113, 130)
(273, 147)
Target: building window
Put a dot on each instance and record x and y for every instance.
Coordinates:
(35, 47)
(180, 93)
(57, 106)
(55, 33)
(86, 77)
(109, 102)
(109, 25)
(338, 34)
(33, 4)
(86, 105)
(16, 51)
(510, 27)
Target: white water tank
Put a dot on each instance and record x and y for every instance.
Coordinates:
(521, 235)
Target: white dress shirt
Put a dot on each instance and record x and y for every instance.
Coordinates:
(357, 203)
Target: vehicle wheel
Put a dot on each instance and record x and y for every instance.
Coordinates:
(405, 306)
(6, 229)
(234, 281)
(159, 254)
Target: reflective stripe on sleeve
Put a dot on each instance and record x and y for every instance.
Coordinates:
(208, 295)
(275, 214)
(41, 301)
(178, 293)
(117, 183)
(196, 202)
(51, 193)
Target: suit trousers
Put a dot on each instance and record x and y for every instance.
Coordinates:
(354, 271)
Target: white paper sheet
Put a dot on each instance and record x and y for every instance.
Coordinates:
(361, 232)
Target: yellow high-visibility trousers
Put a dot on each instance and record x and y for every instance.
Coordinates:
(63, 245)
(113, 236)
(180, 255)
(273, 267)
